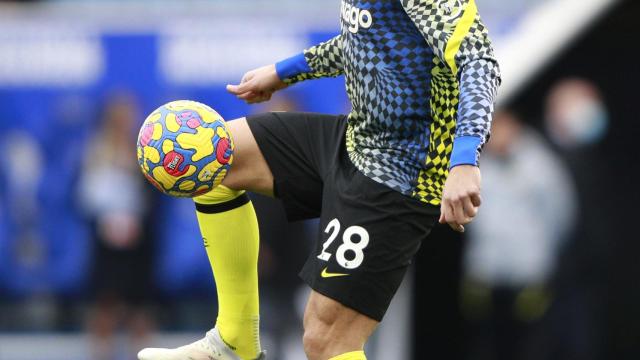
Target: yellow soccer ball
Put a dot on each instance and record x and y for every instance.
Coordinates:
(185, 148)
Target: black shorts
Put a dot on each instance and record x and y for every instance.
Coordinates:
(368, 234)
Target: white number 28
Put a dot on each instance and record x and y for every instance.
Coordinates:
(333, 228)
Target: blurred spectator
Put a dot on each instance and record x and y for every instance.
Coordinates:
(23, 165)
(577, 120)
(42, 248)
(575, 114)
(528, 209)
(113, 196)
(26, 256)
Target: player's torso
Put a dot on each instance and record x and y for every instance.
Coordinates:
(388, 71)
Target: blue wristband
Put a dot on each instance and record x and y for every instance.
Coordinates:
(465, 151)
(292, 66)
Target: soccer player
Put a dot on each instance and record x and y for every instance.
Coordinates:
(422, 79)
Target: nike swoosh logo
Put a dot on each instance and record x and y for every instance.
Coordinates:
(326, 274)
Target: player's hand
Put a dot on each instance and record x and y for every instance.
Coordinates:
(258, 85)
(461, 197)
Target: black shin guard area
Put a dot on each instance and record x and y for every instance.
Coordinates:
(222, 207)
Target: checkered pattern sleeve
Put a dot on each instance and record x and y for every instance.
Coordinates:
(454, 30)
(322, 60)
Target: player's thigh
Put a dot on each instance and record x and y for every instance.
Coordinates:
(249, 170)
(332, 328)
(368, 237)
(297, 148)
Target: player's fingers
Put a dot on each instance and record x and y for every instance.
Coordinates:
(266, 97)
(442, 220)
(458, 212)
(446, 213)
(470, 211)
(451, 218)
(248, 96)
(448, 216)
(246, 77)
(260, 97)
(234, 89)
(476, 199)
(240, 88)
(456, 227)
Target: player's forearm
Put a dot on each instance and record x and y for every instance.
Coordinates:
(479, 82)
(323, 60)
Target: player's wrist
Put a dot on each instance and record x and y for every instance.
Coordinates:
(291, 67)
(466, 151)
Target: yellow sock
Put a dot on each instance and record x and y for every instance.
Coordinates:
(354, 355)
(230, 230)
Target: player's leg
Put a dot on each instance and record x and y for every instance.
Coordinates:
(250, 170)
(369, 234)
(334, 331)
(275, 153)
(229, 229)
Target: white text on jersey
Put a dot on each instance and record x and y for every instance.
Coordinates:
(356, 18)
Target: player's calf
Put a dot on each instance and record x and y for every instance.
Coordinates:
(334, 331)
(236, 271)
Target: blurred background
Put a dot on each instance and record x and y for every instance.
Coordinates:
(95, 264)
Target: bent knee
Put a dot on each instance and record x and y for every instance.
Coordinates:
(249, 170)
